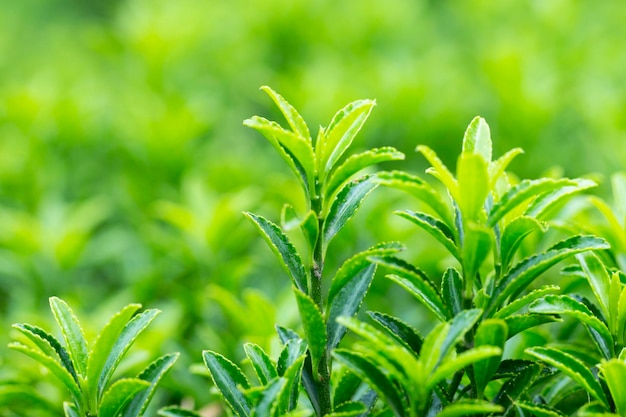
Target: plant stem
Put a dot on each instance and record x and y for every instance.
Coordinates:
(317, 267)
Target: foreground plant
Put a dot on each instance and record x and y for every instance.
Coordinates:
(87, 372)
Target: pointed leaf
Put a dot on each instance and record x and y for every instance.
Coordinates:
(476, 247)
(175, 411)
(439, 170)
(283, 249)
(469, 408)
(400, 331)
(72, 333)
(459, 325)
(513, 235)
(289, 394)
(356, 163)
(70, 410)
(522, 274)
(477, 139)
(436, 228)
(314, 327)
(261, 362)
(539, 410)
(599, 280)
(547, 202)
(571, 367)
(452, 291)
(526, 300)
(497, 167)
(119, 395)
(341, 131)
(346, 204)
(349, 409)
(266, 402)
(491, 332)
(346, 387)
(614, 372)
(124, 341)
(291, 352)
(473, 183)
(520, 322)
(153, 375)
(227, 377)
(103, 346)
(296, 122)
(517, 385)
(460, 361)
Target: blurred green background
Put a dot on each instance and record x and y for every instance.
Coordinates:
(124, 165)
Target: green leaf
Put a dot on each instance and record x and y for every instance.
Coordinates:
(175, 411)
(418, 188)
(227, 377)
(567, 306)
(296, 122)
(400, 331)
(268, 397)
(416, 283)
(571, 367)
(546, 202)
(522, 274)
(291, 352)
(477, 139)
(346, 387)
(54, 367)
(459, 325)
(314, 327)
(525, 300)
(72, 333)
(374, 377)
(356, 163)
(476, 248)
(523, 191)
(283, 249)
(497, 167)
(290, 392)
(103, 347)
(452, 291)
(539, 410)
(520, 322)
(346, 204)
(513, 235)
(261, 362)
(447, 368)
(48, 344)
(349, 409)
(119, 395)
(124, 341)
(614, 372)
(440, 171)
(469, 408)
(522, 379)
(311, 228)
(153, 375)
(473, 183)
(435, 227)
(70, 410)
(295, 146)
(621, 316)
(342, 129)
(491, 332)
(599, 281)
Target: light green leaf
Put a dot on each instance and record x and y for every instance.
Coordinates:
(290, 392)
(296, 122)
(547, 202)
(175, 411)
(452, 291)
(614, 372)
(599, 280)
(54, 367)
(435, 227)
(539, 410)
(119, 395)
(153, 375)
(349, 409)
(522, 274)
(103, 347)
(126, 338)
(473, 183)
(433, 348)
(440, 171)
(342, 129)
(567, 306)
(72, 333)
(621, 317)
(400, 331)
(374, 377)
(283, 249)
(477, 139)
(525, 300)
(356, 163)
(290, 354)
(314, 327)
(520, 322)
(227, 377)
(513, 235)
(346, 204)
(261, 362)
(522, 192)
(476, 247)
(459, 325)
(491, 332)
(571, 367)
(497, 167)
(451, 365)
(418, 188)
(469, 408)
(310, 228)
(70, 410)
(615, 225)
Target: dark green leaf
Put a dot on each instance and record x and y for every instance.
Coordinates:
(516, 386)
(174, 411)
(314, 327)
(349, 409)
(289, 393)
(452, 291)
(119, 395)
(469, 408)
(346, 387)
(283, 249)
(524, 301)
(291, 352)
(266, 403)
(346, 204)
(454, 364)
(72, 333)
(262, 364)
(296, 122)
(436, 228)
(476, 248)
(227, 377)
(400, 331)
(491, 332)
(459, 325)
(522, 274)
(520, 322)
(539, 410)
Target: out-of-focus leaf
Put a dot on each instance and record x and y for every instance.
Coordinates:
(283, 249)
(497, 167)
(296, 122)
(342, 129)
(72, 333)
(119, 395)
(346, 204)
(571, 367)
(175, 411)
(436, 228)
(70, 410)
(227, 377)
(356, 163)
(614, 372)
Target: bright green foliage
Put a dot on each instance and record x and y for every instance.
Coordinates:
(86, 372)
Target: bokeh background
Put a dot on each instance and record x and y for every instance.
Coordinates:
(124, 165)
